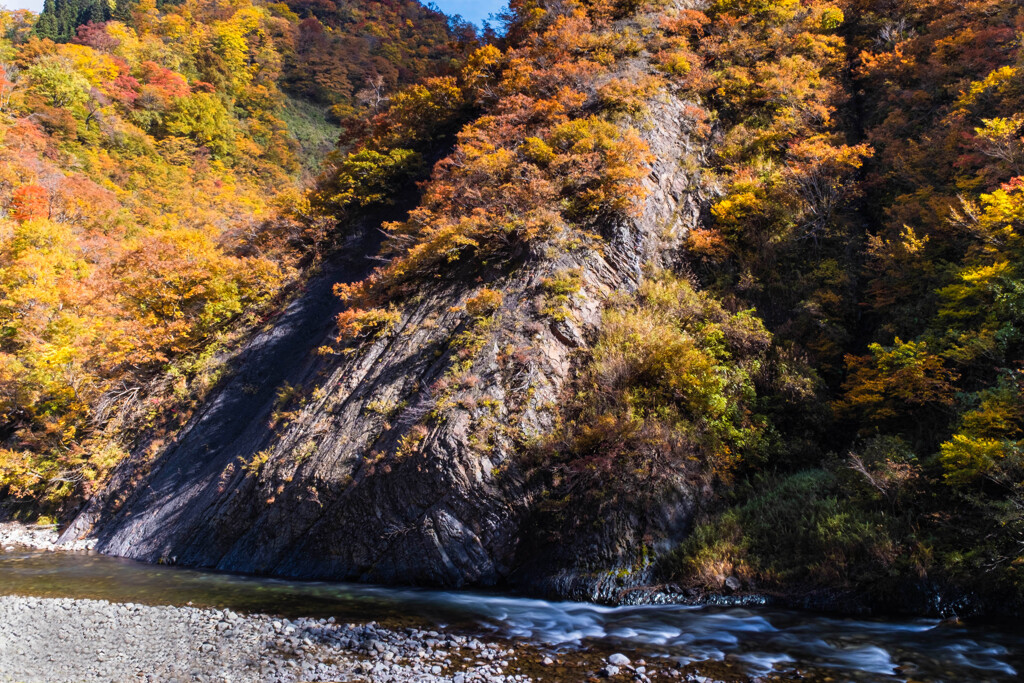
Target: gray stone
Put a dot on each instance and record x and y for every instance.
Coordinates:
(162, 641)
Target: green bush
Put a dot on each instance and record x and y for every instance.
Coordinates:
(799, 529)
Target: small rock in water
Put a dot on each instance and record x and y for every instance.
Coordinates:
(618, 659)
(610, 670)
(547, 661)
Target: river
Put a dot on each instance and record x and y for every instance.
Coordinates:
(751, 641)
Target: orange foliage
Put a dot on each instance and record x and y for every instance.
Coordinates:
(28, 202)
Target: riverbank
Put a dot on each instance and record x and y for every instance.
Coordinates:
(38, 537)
(65, 639)
(170, 620)
(114, 641)
(918, 599)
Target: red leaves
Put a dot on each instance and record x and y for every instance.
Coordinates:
(124, 89)
(167, 84)
(28, 202)
(1014, 184)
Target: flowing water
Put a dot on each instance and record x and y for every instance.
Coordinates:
(749, 640)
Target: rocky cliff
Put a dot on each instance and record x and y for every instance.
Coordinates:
(686, 295)
(321, 466)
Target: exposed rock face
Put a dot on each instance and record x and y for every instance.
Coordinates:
(390, 462)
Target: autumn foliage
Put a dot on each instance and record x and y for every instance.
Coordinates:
(832, 362)
(152, 165)
(856, 261)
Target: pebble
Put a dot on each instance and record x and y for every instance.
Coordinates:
(103, 641)
(15, 535)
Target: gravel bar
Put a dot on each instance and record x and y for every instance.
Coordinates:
(39, 537)
(56, 640)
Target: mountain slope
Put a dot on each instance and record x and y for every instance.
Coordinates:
(152, 195)
(399, 460)
(714, 296)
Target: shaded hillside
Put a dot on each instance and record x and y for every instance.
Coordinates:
(721, 295)
(152, 195)
(397, 457)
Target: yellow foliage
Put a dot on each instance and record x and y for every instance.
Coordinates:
(966, 458)
(355, 323)
(483, 303)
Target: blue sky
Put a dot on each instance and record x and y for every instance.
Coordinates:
(34, 5)
(471, 10)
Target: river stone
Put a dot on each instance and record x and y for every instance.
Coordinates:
(618, 659)
(170, 643)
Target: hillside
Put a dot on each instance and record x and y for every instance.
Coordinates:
(152, 191)
(714, 297)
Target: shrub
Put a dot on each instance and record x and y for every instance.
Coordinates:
(483, 303)
(894, 382)
(676, 63)
(558, 290)
(357, 323)
(795, 529)
(367, 177)
(669, 387)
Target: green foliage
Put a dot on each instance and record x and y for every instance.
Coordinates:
(60, 18)
(311, 128)
(558, 293)
(988, 444)
(366, 177)
(669, 389)
(801, 530)
(60, 84)
(202, 117)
